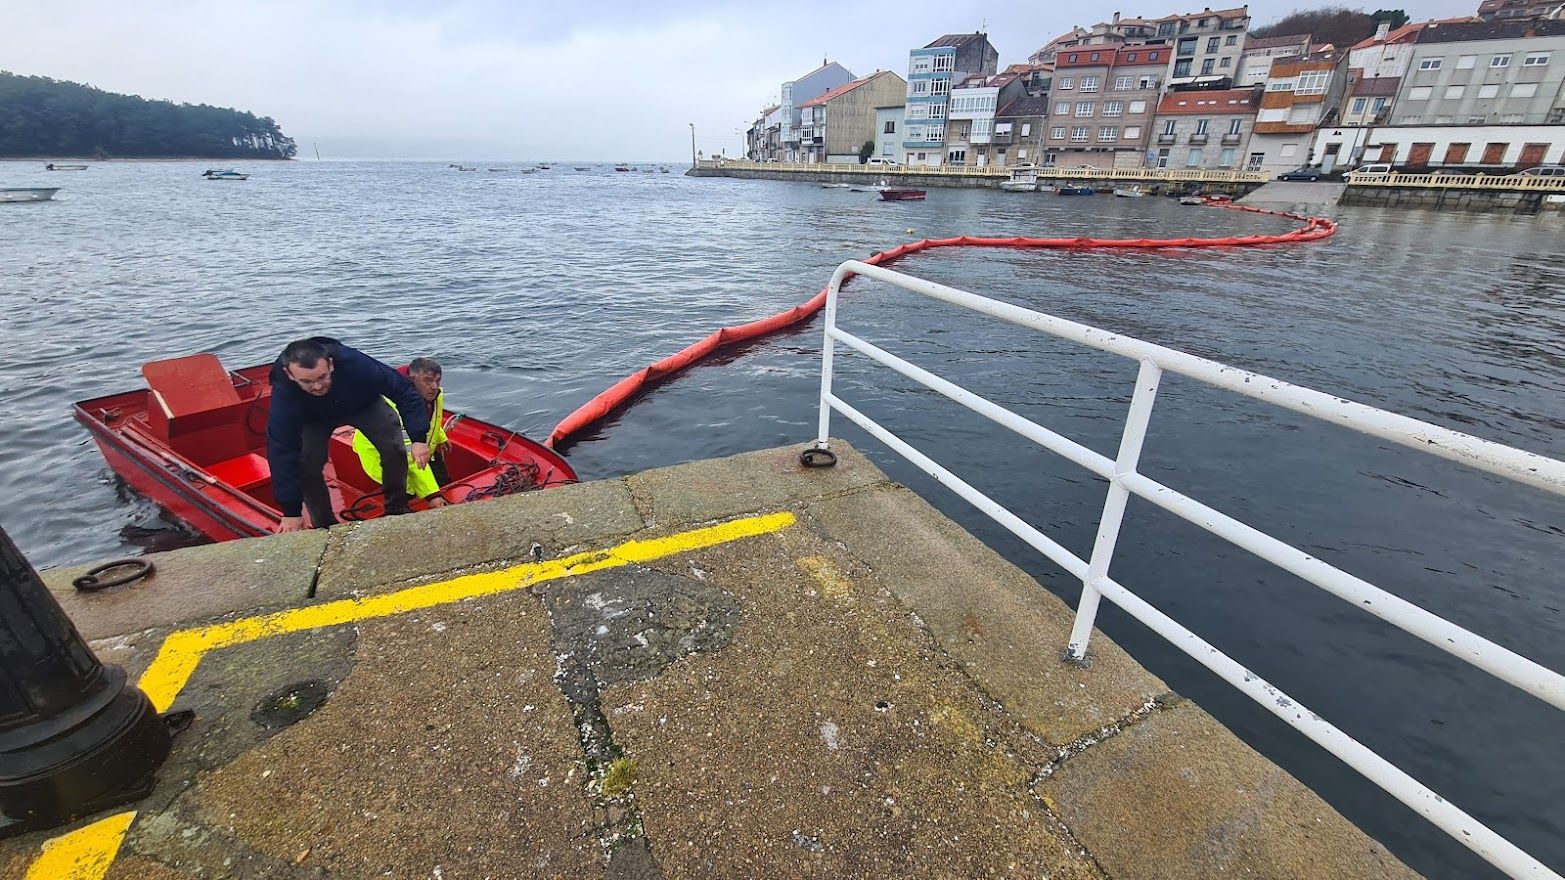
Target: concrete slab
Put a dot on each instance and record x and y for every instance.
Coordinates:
(772, 479)
(1303, 194)
(195, 584)
(1177, 796)
(1005, 629)
(385, 554)
(829, 738)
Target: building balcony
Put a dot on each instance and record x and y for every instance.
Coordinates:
(1199, 138)
(1167, 138)
(1000, 138)
(1231, 139)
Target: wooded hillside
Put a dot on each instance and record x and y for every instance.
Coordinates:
(43, 117)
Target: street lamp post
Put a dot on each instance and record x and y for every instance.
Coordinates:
(75, 737)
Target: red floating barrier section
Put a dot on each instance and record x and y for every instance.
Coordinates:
(1314, 229)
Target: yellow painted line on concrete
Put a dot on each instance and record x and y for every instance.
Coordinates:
(83, 854)
(86, 854)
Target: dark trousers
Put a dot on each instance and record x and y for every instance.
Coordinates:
(380, 424)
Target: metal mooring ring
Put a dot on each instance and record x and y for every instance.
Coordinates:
(817, 458)
(91, 583)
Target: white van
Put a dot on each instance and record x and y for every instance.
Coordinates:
(1375, 168)
(881, 162)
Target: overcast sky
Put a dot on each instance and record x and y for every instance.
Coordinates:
(610, 80)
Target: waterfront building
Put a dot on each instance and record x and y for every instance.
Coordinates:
(931, 72)
(812, 85)
(1255, 63)
(1019, 128)
(1114, 32)
(761, 137)
(1485, 73)
(1204, 128)
(1102, 101)
(1207, 45)
(1491, 148)
(834, 126)
(971, 113)
(1521, 10)
(1301, 95)
(888, 131)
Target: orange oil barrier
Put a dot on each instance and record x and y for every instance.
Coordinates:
(1314, 229)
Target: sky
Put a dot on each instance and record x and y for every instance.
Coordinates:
(608, 81)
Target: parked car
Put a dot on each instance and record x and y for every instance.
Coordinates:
(1374, 168)
(1303, 172)
(1545, 171)
(881, 162)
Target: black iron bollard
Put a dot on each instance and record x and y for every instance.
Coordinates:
(75, 738)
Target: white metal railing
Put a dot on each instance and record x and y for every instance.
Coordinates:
(1077, 172)
(1124, 480)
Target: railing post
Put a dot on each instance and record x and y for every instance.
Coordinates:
(824, 430)
(1130, 442)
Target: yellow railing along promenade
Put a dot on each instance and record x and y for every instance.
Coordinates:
(992, 172)
(1447, 180)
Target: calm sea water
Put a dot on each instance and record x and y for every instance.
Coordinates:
(537, 291)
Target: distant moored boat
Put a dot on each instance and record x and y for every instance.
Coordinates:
(53, 167)
(28, 193)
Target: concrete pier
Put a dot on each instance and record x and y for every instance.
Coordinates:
(728, 668)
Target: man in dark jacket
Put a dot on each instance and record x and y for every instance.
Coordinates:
(318, 385)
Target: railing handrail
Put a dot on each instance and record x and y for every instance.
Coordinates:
(995, 172)
(1124, 480)
(1442, 180)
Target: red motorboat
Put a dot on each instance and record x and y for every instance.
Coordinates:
(899, 194)
(194, 441)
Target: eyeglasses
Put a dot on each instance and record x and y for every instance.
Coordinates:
(319, 382)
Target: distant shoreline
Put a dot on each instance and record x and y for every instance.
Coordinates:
(51, 159)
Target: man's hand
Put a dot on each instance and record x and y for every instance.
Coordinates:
(420, 452)
(291, 524)
(435, 501)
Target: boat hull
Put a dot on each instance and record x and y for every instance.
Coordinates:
(224, 496)
(28, 194)
(901, 195)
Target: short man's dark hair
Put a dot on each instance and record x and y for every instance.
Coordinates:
(424, 365)
(305, 353)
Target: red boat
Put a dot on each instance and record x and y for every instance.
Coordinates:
(194, 441)
(895, 194)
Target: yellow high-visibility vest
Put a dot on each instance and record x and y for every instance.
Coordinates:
(421, 480)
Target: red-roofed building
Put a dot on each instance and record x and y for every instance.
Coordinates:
(1102, 102)
(1207, 129)
(835, 125)
(1301, 95)
(1261, 52)
(1521, 10)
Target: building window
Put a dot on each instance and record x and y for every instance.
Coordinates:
(1026, 129)
(1279, 85)
(1225, 159)
(1021, 154)
(1084, 108)
(945, 62)
(1200, 126)
(1235, 126)
(1208, 66)
(1225, 63)
(1080, 132)
(1466, 62)
(1453, 92)
(1131, 58)
(1123, 83)
(1231, 40)
(1063, 108)
(1513, 118)
(1168, 126)
(1108, 133)
(1288, 151)
(1312, 83)
(1500, 61)
(1194, 159)
(1138, 107)
(957, 157)
(1147, 82)
(1057, 133)
(1066, 83)
(1213, 44)
(1090, 83)
(891, 126)
(1492, 90)
(1359, 104)
(1524, 90)
(1182, 67)
(939, 86)
(937, 111)
(1071, 58)
(1420, 93)
(1430, 63)
(1132, 132)
(918, 87)
(1113, 108)
(1094, 56)
(1255, 161)
(1162, 158)
(920, 64)
(1535, 59)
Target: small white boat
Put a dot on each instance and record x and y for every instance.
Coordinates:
(1133, 192)
(1192, 200)
(835, 186)
(28, 193)
(223, 174)
(53, 167)
(1019, 186)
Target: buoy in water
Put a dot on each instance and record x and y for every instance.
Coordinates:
(910, 230)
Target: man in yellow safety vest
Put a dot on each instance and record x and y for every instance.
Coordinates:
(423, 482)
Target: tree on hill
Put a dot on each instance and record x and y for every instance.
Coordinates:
(46, 117)
(1338, 25)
